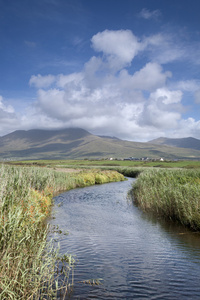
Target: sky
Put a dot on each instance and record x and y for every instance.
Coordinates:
(123, 68)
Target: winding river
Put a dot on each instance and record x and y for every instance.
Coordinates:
(132, 255)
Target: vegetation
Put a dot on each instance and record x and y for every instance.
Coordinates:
(85, 163)
(173, 194)
(29, 265)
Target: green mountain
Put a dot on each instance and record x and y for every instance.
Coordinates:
(188, 142)
(76, 143)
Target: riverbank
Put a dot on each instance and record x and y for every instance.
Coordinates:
(122, 253)
(171, 194)
(27, 261)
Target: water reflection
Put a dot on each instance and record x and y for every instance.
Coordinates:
(135, 255)
(183, 237)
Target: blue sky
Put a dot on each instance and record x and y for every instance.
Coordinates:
(124, 68)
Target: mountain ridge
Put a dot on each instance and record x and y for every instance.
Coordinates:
(77, 143)
(187, 142)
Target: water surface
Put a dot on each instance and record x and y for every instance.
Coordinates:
(136, 256)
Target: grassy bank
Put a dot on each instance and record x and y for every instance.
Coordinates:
(28, 264)
(173, 194)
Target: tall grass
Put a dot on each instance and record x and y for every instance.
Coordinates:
(173, 194)
(129, 172)
(29, 265)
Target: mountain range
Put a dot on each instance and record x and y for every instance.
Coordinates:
(77, 143)
(188, 142)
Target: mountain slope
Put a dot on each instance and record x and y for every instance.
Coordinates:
(76, 143)
(188, 142)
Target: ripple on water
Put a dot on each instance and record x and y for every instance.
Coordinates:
(137, 257)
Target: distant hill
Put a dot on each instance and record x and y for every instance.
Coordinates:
(188, 142)
(77, 143)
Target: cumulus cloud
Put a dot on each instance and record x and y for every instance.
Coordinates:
(120, 47)
(188, 85)
(107, 97)
(5, 108)
(40, 81)
(159, 111)
(163, 95)
(115, 104)
(187, 128)
(151, 76)
(65, 80)
(8, 118)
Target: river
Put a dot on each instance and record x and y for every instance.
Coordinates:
(131, 254)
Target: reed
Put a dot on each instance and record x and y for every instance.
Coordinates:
(29, 265)
(172, 194)
(130, 171)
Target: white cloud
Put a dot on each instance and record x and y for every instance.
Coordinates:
(52, 102)
(161, 111)
(147, 14)
(8, 117)
(151, 76)
(163, 95)
(187, 128)
(164, 48)
(114, 102)
(107, 97)
(120, 47)
(5, 108)
(40, 81)
(188, 85)
(101, 100)
(64, 80)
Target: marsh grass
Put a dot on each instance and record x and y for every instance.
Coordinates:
(129, 172)
(172, 194)
(107, 163)
(31, 267)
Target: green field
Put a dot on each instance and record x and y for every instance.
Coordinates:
(188, 164)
